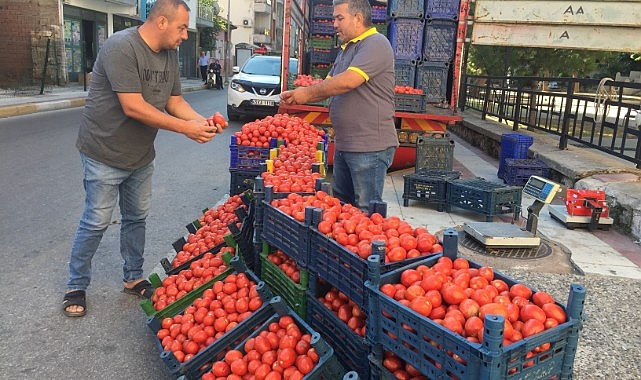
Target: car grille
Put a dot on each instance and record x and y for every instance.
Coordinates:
(262, 90)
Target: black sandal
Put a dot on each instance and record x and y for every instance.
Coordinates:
(142, 289)
(74, 298)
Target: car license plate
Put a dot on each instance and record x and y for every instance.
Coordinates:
(261, 102)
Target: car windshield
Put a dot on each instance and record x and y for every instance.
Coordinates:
(267, 66)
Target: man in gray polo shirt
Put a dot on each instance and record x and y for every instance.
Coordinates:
(360, 86)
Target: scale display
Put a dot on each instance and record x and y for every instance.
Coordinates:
(541, 188)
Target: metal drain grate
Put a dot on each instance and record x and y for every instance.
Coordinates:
(472, 244)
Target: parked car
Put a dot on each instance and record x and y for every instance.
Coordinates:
(254, 89)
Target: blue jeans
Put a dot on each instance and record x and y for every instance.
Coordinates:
(358, 178)
(103, 186)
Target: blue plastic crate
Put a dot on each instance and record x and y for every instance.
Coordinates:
(442, 9)
(326, 368)
(519, 170)
(323, 27)
(349, 347)
(248, 157)
(409, 102)
(379, 13)
(406, 37)
(513, 145)
(439, 40)
(286, 233)
(484, 197)
(428, 186)
(406, 8)
(431, 77)
(430, 347)
(321, 56)
(405, 72)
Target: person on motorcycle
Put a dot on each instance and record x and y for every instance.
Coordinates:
(217, 68)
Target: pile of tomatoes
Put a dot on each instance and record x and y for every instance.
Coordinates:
(345, 309)
(282, 351)
(218, 310)
(407, 90)
(293, 169)
(214, 225)
(401, 369)
(200, 271)
(304, 80)
(292, 129)
(286, 264)
(458, 297)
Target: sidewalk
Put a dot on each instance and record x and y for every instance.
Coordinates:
(574, 251)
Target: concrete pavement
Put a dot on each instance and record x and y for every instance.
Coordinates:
(601, 252)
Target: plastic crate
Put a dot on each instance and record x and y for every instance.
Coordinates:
(430, 347)
(342, 268)
(431, 77)
(575, 202)
(323, 11)
(319, 71)
(379, 13)
(434, 153)
(442, 9)
(322, 42)
(405, 72)
(323, 27)
(513, 145)
(409, 102)
(439, 40)
(248, 157)
(294, 294)
(519, 170)
(406, 37)
(429, 186)
(326, 368)
(481, 196)
(406, 8)
(381, 27)
(241, 180)
(321, 56)
(349, 347)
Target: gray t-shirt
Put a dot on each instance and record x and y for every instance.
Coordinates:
(125, 64)
(363, 118)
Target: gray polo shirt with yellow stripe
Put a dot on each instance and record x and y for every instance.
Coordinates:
(363, 118)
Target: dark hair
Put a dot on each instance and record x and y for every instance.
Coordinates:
(358, 6)
(166, 8)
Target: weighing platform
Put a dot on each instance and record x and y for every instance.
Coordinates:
(560, 213)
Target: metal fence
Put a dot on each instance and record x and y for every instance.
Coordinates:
(601, 114)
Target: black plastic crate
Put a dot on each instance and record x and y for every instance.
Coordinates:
(484, 197)
(406, 8)
(430, 347)
(442, 9)
(439, 40)
(431, 77)
(405, 72)
(409, 102)
(349, 347)
(434, 153)
(323, 11)
(406, 37)
(429, 186)
(519, 170)
(241, 180)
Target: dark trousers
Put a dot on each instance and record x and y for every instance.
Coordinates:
(203, 73)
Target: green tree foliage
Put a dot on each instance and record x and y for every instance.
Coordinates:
(208, 35)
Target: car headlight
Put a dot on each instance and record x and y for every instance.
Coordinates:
(236, 86)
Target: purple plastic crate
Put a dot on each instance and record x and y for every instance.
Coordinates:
(439, 40)
(248, 157)
(430, 347)
(406, 8)
(406, 37)
(379, 13)
(323, 27)
(442, 9)
(431, 77)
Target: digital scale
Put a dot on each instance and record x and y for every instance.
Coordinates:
(509, 235)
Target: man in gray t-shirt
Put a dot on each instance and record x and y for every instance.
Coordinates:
(135, 90)
(360, 86)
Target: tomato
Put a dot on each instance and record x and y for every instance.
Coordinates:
(554, 311)
(469, 308)
(304, 364)
(531, 311)
(220, 369)
(473, 326)
(452, 294)
(421, 305)
(520, 290)
(531, 327)
(493, 309)
(540, 298)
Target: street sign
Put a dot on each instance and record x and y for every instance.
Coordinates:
(586, 25)
(558, 36)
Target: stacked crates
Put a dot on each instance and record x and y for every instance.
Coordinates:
(513, 145)
(322, 42)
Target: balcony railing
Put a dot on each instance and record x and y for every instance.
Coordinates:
(206, 12)
(600, 114)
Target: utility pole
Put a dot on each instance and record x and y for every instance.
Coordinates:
(227, 42)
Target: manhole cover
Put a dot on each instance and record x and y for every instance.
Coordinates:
(472, 244)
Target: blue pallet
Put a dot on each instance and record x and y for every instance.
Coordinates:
(484, 197)
(406, 37)
(513, 145)
(425, 344)
(442, 9)
(431, 77)
(405, 72)
(439, 40)
(406, 8)
(349, 347)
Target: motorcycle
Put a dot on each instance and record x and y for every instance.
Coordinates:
(211, 78)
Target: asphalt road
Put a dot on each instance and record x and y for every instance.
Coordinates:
(41, 199)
